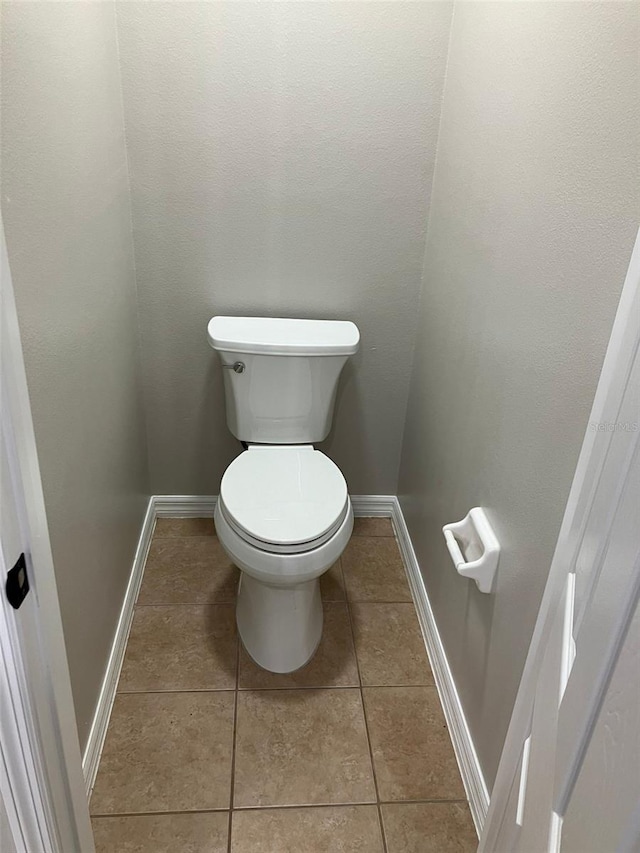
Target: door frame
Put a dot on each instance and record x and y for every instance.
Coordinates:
(42, 781)
(623, 345)
(44, 775)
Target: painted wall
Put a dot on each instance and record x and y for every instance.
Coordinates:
(281, 161)
(534, 211)
(67, 218)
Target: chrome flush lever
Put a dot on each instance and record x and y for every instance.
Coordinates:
(237, 366)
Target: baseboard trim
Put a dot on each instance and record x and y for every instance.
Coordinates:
(466, 756)
(185, 506)
(203, 506)
(97, 734)
(370, 506)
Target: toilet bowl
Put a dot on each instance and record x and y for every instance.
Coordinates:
(284, 517)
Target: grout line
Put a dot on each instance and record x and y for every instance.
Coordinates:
(289, 688)
(284, 806)
(244, 689)
(190, 604)
(423, 802)
(159, 537)
(98, 816)
(376, 601)
(213, 535)
(233, 746)
(324, 687)
(315, 687)
(372, 535)
(383, 834)
(364, 714)
(186, 604)
(227, 603)
(379, 601)
(396, 686)
(165, 692)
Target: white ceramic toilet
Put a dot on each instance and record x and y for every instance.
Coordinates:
(284, 514)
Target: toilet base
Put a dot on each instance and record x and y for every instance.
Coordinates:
(280, 627)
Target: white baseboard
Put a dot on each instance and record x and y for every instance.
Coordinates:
(95, 741)
(370, 506)
(203, 506)
(185, 506)
(195, 506)
(470, 770)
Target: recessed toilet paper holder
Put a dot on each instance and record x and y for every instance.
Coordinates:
(474, 548)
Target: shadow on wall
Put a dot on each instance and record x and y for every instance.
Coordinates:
(476, 611)
(211, 430)
(476, 635)
(347, 443)
(469, 610)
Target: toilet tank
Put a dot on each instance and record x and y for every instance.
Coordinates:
(285, 390)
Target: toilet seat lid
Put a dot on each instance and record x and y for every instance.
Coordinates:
(284, 495)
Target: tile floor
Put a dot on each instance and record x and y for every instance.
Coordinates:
(208, 753)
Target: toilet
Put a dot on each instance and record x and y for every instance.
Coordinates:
(284, 515)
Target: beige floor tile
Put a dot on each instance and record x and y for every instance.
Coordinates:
(345, 829)
(184, 527)
(301, 747)
(333, 665)
(412, 752)
(373, 570)
(389, 645)
(166, 752)
(188, 570)
(332, 584)
(171, 833)
(372, 527)
(429, 828)
(181, 647)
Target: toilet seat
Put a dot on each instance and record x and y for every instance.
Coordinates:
(284, 499)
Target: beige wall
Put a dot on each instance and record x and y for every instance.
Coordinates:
(534, 210)
(281, 160)
(66, 211)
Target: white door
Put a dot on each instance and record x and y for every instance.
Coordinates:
(24, 808)
(43, 804)
(569, 777)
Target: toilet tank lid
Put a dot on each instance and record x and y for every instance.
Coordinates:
(280, 336)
